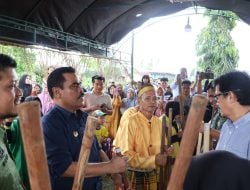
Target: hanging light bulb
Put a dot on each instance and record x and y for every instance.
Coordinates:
(188, 27)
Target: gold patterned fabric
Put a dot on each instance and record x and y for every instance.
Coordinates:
(140, 140)
(143, 180)
(112, 121)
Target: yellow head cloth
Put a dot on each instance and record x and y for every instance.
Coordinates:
(145, 89)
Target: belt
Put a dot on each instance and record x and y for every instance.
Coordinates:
(140, 170)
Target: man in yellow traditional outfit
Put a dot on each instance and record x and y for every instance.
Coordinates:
(142, 140)
(124, 122)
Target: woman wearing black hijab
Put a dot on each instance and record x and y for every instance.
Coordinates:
(25, 85)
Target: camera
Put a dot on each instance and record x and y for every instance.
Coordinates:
(206, 75)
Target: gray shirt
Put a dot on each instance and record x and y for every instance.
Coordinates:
(90, 99)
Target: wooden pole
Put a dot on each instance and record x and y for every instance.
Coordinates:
(188, 142)
(168, 167)
(198, 148)
(163, 137)
(87, 142)
(181, 102)
(125, 181)
(34, 147)
(206, 140)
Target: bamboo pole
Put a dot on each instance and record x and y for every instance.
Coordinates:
(188, 142)
(168, 168)
(163, 137)
(206, 143)
(87, 142)
(34, 147)
(198, 148)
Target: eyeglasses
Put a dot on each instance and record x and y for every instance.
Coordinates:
(216, 97)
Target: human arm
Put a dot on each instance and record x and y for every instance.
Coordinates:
(116, 165)
(104, 108)
(107, 106)
(116, 177)
(91, 108)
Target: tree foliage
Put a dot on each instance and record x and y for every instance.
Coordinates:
(214, 46)
(24, 57)
(36, 61)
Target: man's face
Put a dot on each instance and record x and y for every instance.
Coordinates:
(186, 89)
(210, 95)
(183, 73)
(222, 102)
(98, 86)
(148, 101)
(10, 94)
(71, 95)
(164, 84)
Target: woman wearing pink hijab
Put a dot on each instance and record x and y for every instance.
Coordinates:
(47, 102)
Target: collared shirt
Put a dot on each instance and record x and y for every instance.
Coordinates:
(9, 178)
(235, 137)
(63, 133)
(141, 141)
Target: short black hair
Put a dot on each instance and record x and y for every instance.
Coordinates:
(188, 82)
(32, 98)
(6, 62)
(98, 77)
(56, 78)
(164, 79)
(210, 86)
(236, 81)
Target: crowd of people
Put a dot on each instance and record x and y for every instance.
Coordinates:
(129, 118)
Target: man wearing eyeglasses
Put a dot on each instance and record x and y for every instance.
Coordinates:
(63, 129)
(232, 93)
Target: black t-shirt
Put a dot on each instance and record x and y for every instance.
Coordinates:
(218, 170)
(168, 95)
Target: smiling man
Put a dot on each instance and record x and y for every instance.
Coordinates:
(96, 99)
(9, 97)
(232, 93)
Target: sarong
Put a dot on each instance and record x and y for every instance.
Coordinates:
(142, 180)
